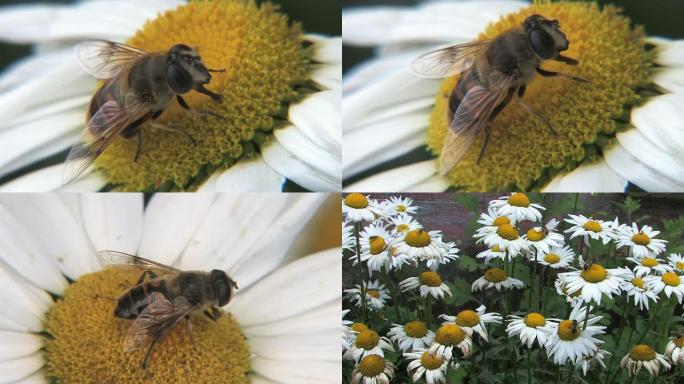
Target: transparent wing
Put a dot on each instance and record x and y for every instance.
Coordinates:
(471, 117)
(155, 320)
(105, 125)
(121, 258)
(105, 59)
(449, 61)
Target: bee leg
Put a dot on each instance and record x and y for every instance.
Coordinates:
(484, 145)
(149, 352)
(216, 70)
(138, 139)
(559, 74)
(192, 340)
(184, 105)
(539, 115)
(214, 96)
(566, 60)
(169, 129)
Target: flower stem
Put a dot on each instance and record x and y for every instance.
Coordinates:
(364, 305)
(541, 289)
(529, 364)
(428, 311)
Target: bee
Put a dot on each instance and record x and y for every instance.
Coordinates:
(163, 296)
(494, 72)
(138, 86)
(587, 265)
(575, 327)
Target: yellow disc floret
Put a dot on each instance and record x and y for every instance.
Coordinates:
(679, 340)
(611, 55)
(670, 278)
(418, 238)
(507, 232)
(265, 64)
(402, 228)
(86, 340)
(450, 334)
(642, 352)
(594, 273)
(641, 239)
(568, 330)
(649, 262)
(593, 226)
(501, 220)
(377, 245)
(358, 327)
(534, 234)
(552, 258)
(356, 200)
(367, 339)
(374, 293)
(468, 318)
(430, 361)
(519, 199)
(415, 328)
(431, 279)
(534, 319)
(371, 365)
(638, 282)
(495, 275)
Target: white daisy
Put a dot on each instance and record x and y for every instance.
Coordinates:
(517, 206)
(670, 283)
(400, 205)
(426, 364)
(635, 287)
(676, 261)
(412, 335)
(506, 238)
(449, 336)
(491, 221)
(52, 240)
(403, 224)
(350, 333)
(348, 240)
(356, 208)
(347, 331)
(376, 247)
(373, 369)
(543, 238)
(492, 253)
(675, 349)
(557, 257)
(649, 265)
(597, 357)
(588, 227)
(376, 294)
(428, 283)
(52, 106)
(570, 339)
(496, 278)
(643, 356)
(433, 263)
(574, 299)
(476, 321)
(593, 281)
(367, 342)
(422, 245)
(387, 109)
(533, 327)
(641, 242)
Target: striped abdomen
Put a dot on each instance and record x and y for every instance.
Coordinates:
(136, 299)
(467, 81)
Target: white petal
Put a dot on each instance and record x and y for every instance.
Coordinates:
(398, 179)
(287, 164)
(209, 185)
(171, 219)
(629, 167)
(113, 220)
(51, 179)
(671, 79)
(294, 289)
(258, 379)
(39, 153)
(319, 118)
(16, 369)
(318, 319)
(661, 120)
(670, 53)
(39, 377)
(328, 76)
(24, 310)
(593, 177)
(295, 141)
(316, 346)
(249, 176)
(328, 50)
(18, 72)
(298, 371)
(18, 344)
(669, 164)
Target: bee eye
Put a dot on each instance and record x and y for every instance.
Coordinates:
(556, 23)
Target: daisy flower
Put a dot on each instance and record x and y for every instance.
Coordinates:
(428, 283)
(347, 331)
(400, 205)
(350, 337)
(557, 257)
(373, 369)
(569, 340)
(496, 278)
(59, 287)
(670, 283)
(643, 356)
(533, 327)
(588, 227)
(423, 245)
(376, 295)
(641, 242)
(649, 265)
(348, 240)
(544, 238)
(357, 208)
(587, 360)
(403, 224)
(447, 337)
(594, 281)
(493, 253)
(375, 247)
(635, 287)
(517, 206)
(476, 321)
(412, 335)
(389, 113)
(433, 263)
(675, 349)
(367, 342)
(426, 364)
(574, 299)
(506, 238)
(272, 130)
(676, 261)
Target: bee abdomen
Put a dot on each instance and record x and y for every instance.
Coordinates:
(136, 299)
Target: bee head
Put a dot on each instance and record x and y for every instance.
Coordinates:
(545, 37)
(223, 286)
(185, 69)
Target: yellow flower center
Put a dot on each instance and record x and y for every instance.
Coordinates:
(356, 200)
(642, 352)
(679, 341)
(501, 220)
(638, 282)
(358, 327)
(534, 319)
(467, 318)
(593, 226)
(670, 278)
(535, 235)
(415, 329)
(431, 279)
(496, 248)
(679, 265)
(371, 365)
(367, 339)
(568, 330)
(418, 238)
(649, 262)
(401, 208)
(552, 258)
(86, 340)
(641, 239)
(450, 334)
(377, 245)
(495, 275)
(431, 362)
(264, 61)
(519, 200)
(402, 228)
(508, 232)
(374, 293)
(594, 273)
(611, 54)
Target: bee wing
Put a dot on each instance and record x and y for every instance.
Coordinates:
(449, 61)
(105, 125)
(121, 258)
(471, 117)
(105, 59)
(155, 320)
